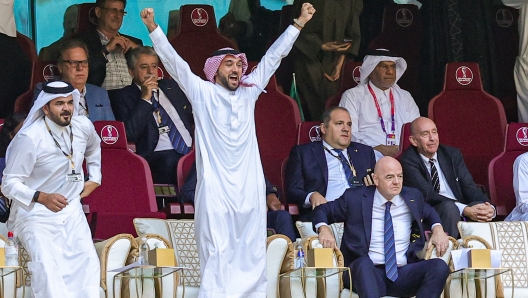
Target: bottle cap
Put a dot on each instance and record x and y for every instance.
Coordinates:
(9, 234)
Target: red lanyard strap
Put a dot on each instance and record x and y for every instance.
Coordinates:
(380, 115)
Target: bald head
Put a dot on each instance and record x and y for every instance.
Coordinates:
(388, 177)
(424, 136)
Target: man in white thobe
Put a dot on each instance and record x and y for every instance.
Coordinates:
(45, 181)
(521, 64)
(230, 193)
(378, 106)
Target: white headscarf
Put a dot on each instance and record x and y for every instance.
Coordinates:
(7, 18)
(373, 58)
(49, 92)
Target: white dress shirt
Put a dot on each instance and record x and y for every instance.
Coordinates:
(337, 181)
(164, 142)
(366, 126)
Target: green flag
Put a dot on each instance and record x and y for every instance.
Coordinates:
(295, 95)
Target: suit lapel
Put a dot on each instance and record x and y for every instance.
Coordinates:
(320, 157)
(412, 206)
(366, 209)
(448, 171)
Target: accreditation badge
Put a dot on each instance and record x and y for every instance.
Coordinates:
(391, 139)
(163, 129)
(74, 177)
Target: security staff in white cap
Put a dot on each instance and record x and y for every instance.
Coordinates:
(378, 106)
(44, 179)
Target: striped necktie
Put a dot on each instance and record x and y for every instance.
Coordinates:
(391, 268)
(174, 135)
(346, 166)
(434, 175)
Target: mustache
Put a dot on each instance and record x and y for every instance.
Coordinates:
(65, 114)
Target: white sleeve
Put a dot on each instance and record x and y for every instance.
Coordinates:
(520, 179)
(93, 155)
(20, 161)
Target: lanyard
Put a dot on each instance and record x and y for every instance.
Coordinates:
(347, 162)
(379, 109)
(69, 156)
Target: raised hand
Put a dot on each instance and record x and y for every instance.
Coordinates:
(147, 16)
(307, 11)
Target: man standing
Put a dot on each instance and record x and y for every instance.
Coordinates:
(440, 173)
(157, 115)
(319, 172)
(323, 46)
(73, 66)
(45, 181)
(107, 47)
(378, 106)
(230, 203)
(383, 234)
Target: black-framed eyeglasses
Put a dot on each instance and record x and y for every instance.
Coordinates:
(115, 11)
(76, 63)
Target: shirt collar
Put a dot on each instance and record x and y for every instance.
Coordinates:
(380, 201)
(426, 160)
(330, 147)
(378, 91)
(55, 128)
(104, 39)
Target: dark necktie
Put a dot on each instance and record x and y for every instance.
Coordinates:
(434, 176)
(346, 166)
(391, 268)
(174, 135)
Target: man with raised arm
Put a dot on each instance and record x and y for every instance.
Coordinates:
(229, 203)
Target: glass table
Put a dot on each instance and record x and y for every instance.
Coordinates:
(481, 275)
(148, 278)
(11, 271)
(315, 280)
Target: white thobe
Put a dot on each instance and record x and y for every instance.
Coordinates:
(520, 187)
(366, 126)
(63, 258)
(521, 64)
(230, 200)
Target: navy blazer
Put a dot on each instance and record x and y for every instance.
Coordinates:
(99, 107)
(307, 171)
(415, 174)
(97, 64)
(354, 208)
(141, 127)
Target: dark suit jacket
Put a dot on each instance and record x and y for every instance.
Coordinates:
(307, 171)
(415, 174)
(141, 127)
(354, 208)
(97, 64)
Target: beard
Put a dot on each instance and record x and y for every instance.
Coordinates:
(59, 120)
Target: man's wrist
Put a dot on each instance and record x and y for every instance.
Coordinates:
(36, 196)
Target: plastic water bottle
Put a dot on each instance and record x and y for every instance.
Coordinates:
(11, 250)
(143, 252)
(299, 257)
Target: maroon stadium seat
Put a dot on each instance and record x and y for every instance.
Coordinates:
(86, 18)
(350, 77)
(198, 37)
(469, 118)
(28, 46)
(308, 132)
(500, 168)
(42, 71)
(126, 191)
(404, 139)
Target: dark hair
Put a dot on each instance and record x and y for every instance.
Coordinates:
(325, 118)
(71, 43)
(10, 123)
(132, 56)
(102, 3)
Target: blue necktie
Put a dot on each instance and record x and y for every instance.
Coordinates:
(346, 166)
(174, 135)
(391, 269)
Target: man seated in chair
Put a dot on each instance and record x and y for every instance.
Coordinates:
(278, 220)
(382, 244)
(440, 173)
(319, 172)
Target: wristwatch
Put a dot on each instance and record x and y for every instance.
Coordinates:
(36, 196)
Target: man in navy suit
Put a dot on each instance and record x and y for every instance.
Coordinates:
(146, 107)
(73, 66)
(383, 235)
(449, 187)
(317, 172)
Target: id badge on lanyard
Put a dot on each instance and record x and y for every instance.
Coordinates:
(390, 137)
(161, 128)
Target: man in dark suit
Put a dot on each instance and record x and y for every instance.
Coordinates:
(107, 47)
(440, 173)
(317, 172)
(383, 235)
(157, 115)
(278, 220)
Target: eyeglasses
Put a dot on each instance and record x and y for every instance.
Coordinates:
(115, 11)
(76, 63)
